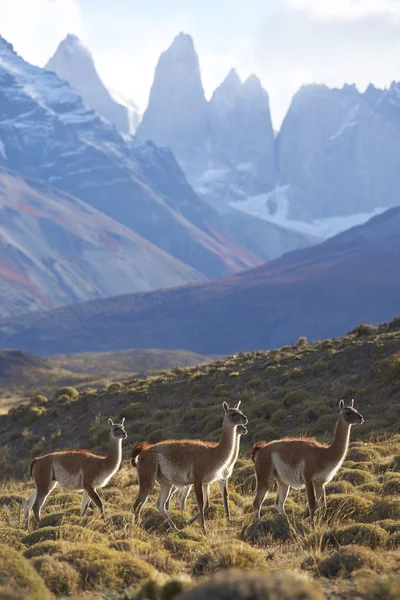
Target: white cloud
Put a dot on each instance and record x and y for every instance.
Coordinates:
(35, 27)
(346, 9)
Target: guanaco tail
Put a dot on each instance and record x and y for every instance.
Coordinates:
(181, 463)
(185, 491)
(77, 470)
(302, 462)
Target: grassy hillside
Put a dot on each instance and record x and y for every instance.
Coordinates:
(354, 551)
(23, 375)
(128, 362)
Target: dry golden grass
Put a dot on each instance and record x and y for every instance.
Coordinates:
(352, 552)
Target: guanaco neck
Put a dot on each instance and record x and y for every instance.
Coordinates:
(338, 449)
(114, 452)
(236, 449)
(226, 445)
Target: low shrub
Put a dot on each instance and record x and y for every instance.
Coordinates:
(379, 588)
(271, 526)
(229, 555)
(71, 533)
(364, 534)
(183, 549)
(348, 559)
(48, 548)
(356, 476)
(386, 508)
(101, 566)
(347, 506)
(238, 585)
(17, 569)
(62, 579)
(11, 536)
(70, 392)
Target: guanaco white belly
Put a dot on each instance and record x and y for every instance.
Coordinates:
(289, 474)
(181, 477)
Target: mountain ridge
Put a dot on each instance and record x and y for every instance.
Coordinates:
(322, 291)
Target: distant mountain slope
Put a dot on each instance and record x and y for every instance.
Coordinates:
(72, 61)
(24, 375)
(56, 250)
(46, 132)
(318, 292)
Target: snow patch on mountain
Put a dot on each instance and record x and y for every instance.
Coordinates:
(274, 208)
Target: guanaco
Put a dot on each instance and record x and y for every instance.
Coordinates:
(77, 470)
(302, 462)
(181, 463)
(185, 491)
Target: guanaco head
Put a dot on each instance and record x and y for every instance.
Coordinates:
(349, 414)
(234, 416)
(118, 431)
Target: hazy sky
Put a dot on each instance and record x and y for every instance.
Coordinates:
(285, 42)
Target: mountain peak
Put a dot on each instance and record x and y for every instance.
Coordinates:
(6, 46)
(232, 79)
(72, 45)
(183, 41)
(176, 115)
(73, 62)
(253, 81)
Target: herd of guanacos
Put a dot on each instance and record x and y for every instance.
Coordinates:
(181, 464)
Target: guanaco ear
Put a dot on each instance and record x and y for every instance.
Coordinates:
(225, 406)
(237, 405)
(352, 403)
(123, 421)
(341, 404)
(110, 422)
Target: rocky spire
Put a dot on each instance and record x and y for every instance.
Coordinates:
(177, 112)
(73, 62)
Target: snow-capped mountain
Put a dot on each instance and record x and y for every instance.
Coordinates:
(73, 62)
(57, 250)
(48, 133)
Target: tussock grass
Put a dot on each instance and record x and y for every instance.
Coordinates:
(351, 552)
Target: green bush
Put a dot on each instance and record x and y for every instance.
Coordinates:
(294, 397)
(356, 476)
(348, 559)
(386, 508)
(17, 569)
(70, 392)
(62, 579)
(100, 566)
(72, 533)
(363, 330)
(239, 585)
(48, 548)
(34, 412)
(39, 399)
(271, 526)
(364, 534)
(348, 506)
